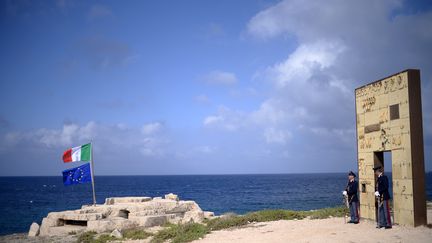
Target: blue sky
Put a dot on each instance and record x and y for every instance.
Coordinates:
(199, 87)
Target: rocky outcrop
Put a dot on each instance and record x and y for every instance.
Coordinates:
(116, 233)
(34, 230)
(119, 213)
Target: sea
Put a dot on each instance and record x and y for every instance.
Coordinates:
(24, 200)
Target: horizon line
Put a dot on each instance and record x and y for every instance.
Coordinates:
(240, 174)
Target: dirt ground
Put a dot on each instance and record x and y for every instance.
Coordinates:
(323, 230)
(306, 230)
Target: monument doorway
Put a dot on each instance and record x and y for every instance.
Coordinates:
(384, 159)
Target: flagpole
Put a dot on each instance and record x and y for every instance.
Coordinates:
(92, 172)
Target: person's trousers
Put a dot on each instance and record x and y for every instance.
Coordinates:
(384, 214)
(354, 211)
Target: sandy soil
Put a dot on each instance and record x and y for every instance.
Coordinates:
(324, 230)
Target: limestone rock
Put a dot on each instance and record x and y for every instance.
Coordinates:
(118, 200)
(34, 230)
(195, 216)
(208, 215)
(172, 196)
(119, 213)
(116, 233)
(150, 221)
(106, 225)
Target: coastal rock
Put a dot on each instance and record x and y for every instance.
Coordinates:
(171, 196)
(208, 215)
(119, 200)
(106, 225)
(195, 216)
(119, 213)
(116, 233)
(34, 230)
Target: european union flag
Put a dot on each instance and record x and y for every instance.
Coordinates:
(77, 175)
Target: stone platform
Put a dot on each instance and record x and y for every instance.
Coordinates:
(120, 213)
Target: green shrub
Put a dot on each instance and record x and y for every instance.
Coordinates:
(136, 234)
(104, 238)
(258, 216)
(274, 214)
(90, 237)
(327, 212)
(178, 233)
(86, 237)
(227, 222)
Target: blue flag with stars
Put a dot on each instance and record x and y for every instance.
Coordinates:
(77, 175)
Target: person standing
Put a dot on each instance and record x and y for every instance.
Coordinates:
(383, 196)
(352, 197)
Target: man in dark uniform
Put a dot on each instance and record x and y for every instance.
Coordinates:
(383, 196)
(351, 194)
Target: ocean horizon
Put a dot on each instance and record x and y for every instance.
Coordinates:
(27, 199)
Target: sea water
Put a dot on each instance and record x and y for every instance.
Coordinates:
(24, 200)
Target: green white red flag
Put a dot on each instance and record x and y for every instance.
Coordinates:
(80, 153)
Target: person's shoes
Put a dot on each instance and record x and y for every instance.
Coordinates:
(379, 226)
(350, 222)
(356, 222)
(388, 227)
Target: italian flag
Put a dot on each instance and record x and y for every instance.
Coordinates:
(80, 153)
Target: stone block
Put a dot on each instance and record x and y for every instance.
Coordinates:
(171, 196)
(107, 225)
(82, 217)
(34, 230)
(208, 215)
(123, 200)
(116, 233)
(150, 221)
(196, 216)
(121, 213)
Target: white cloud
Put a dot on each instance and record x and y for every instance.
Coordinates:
(338, 49)
(226, 119)
(108, 138)
(67, 136)
(210, 120)
(268, 113)
(220, 78)
(151, 128)
(273, 135)
(318, 19)
(307, 59)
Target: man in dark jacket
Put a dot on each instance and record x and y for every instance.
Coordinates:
(351, 193)
(383, 196)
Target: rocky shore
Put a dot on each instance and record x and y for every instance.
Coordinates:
(143, 215)
(115, 215)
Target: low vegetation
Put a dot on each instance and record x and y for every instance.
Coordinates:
(92, 237)
(136, 234)
(177, 233)
(229, 221)
(328, 212)
(87, 237)
(104, 238)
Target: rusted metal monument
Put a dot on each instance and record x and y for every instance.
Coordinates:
(389, 119)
